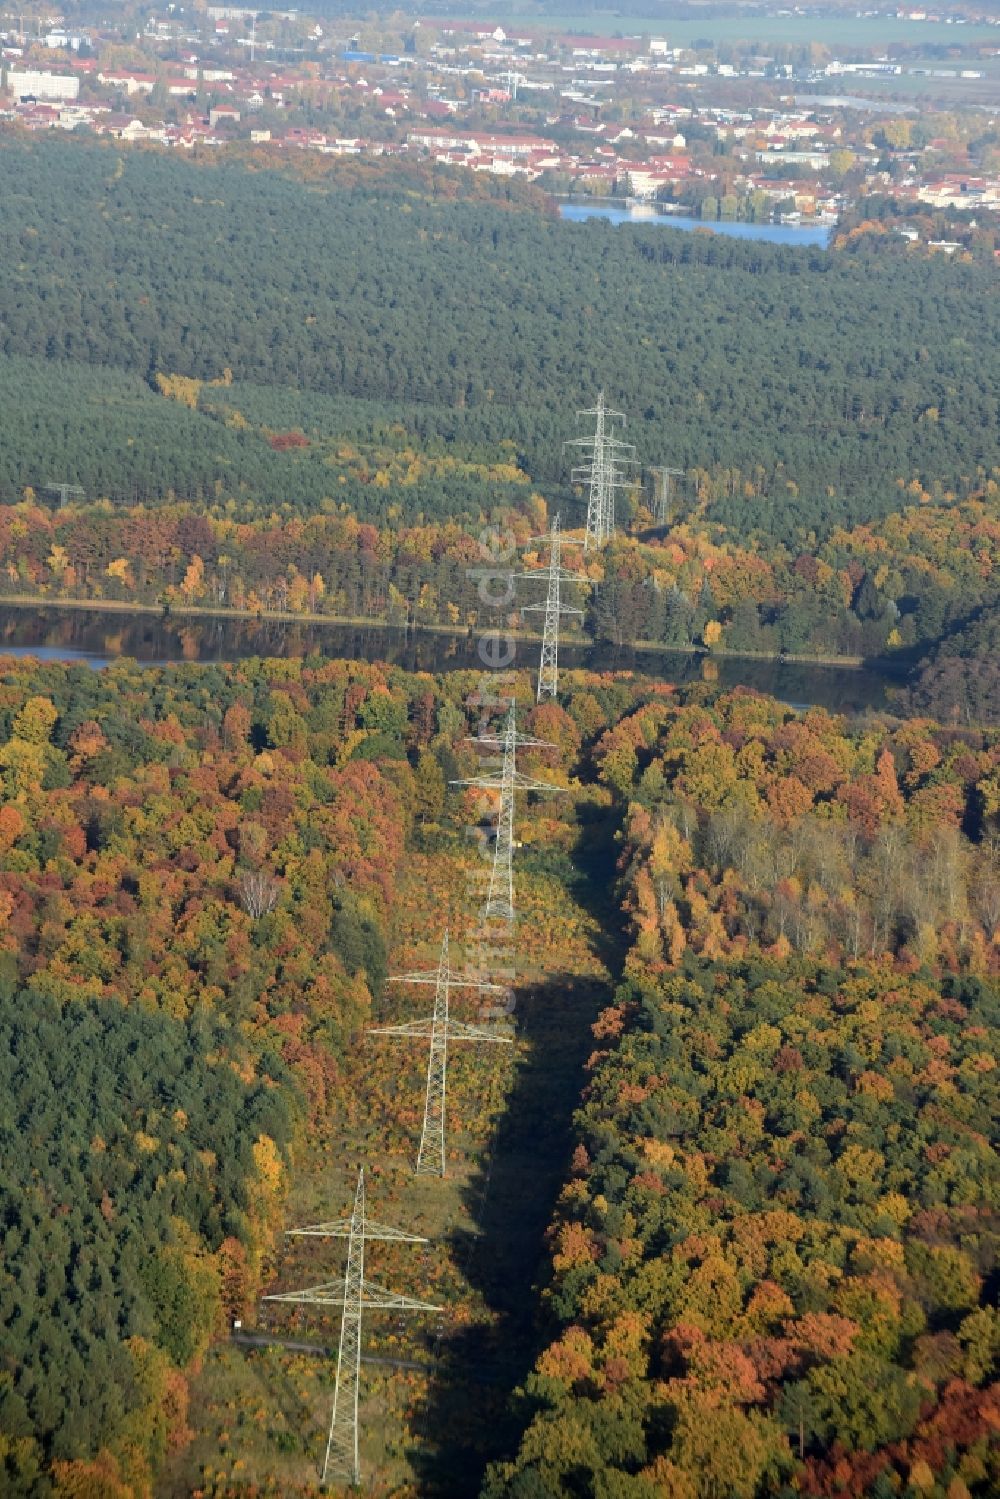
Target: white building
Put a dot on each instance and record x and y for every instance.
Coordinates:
(128, 82)
(71, 41)
(31, 83)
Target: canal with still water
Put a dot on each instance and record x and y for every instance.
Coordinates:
(97, 637)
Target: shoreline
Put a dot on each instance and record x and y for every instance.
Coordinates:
(886, 666)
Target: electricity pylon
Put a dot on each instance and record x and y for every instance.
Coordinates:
(352, 1295)
(602, 473)
(500, 900)
(553, 608)
(661, 500)
(595, 471)
(66, 492)
(441, 1029)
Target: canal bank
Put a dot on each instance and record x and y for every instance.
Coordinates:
(97, 634)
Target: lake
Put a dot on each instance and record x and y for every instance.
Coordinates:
(97, 638)
(778, 234)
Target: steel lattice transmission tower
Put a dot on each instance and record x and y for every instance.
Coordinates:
(661, 498)
(500, 900)
(352, 1294)
(553, 608)
(602, 472)
(66, 492)
(440, 1029)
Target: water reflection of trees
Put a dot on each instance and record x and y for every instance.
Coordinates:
(161, 639)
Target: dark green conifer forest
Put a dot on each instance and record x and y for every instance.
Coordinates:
(818, 380)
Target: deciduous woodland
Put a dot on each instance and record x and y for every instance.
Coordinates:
(773, 1261)
(759, 956)
(722, 1223)
(418, 346)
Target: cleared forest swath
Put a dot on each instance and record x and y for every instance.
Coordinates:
(435, 1392)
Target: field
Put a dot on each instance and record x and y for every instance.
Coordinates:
(911, 92)
(847, 30)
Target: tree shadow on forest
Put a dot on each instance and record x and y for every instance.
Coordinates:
(469, 1419)
(595, 881)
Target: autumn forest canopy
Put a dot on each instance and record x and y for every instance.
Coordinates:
(771, 1266)
(722, 1221)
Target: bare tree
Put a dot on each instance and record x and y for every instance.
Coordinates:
(259, 892)
(723, 835)
(986, 892)
(946, 866)
(754, 858)
(853, 918)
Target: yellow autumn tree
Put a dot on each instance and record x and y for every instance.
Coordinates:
(180, 388)
(268, 1188)
(36, 720)
(121, 571)
(193, 585)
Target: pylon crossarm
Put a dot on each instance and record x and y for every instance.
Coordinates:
(340, 1228)
(457, 1031)
(525, 783)
(452, 979)
(604, 411)
(508, 742)
(546, 608)
(605, 448)
(424, 1028)
(564, 539)
(498, 775)
(521, 783)
(421, 1028)
(608, 483)
(337, 1228)
(583, 472)
(592, 440)
(546, 569)
(544, 574)
(502, 741)
(612, 456)
(377, 1298)
(601, 443)
(330, 1293)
